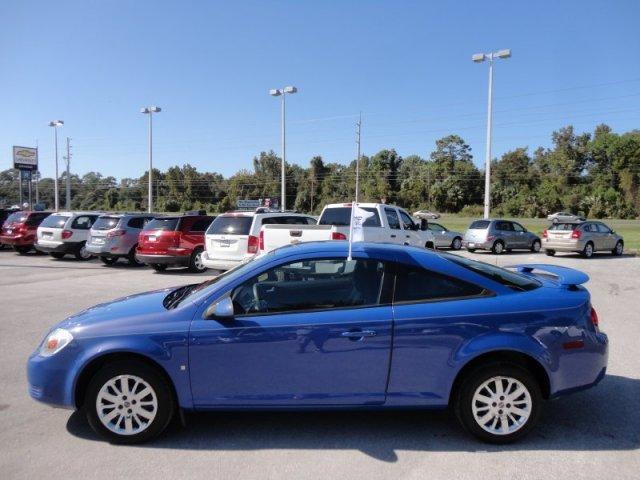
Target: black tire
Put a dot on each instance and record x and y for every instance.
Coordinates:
(587, 251)
(429, 246)
(464, 401)
(456, 244)
(22, 249)
(536, 246)
(57, 255)
(471, 250)
(158, 267)
(166, 404)
(550, 253)
(498, 247)
(131, 257)
(108, 260)
(82, 254)
(195, 262)
(619, 248)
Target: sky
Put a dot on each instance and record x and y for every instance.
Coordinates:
(406, 65)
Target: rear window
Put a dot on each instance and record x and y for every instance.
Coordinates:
(54, 221)
(17, 217)
(563, 226)
(507, 278)
(230, 225)
(106, 223)
(341, 217)
(165, 224)
(479, 225)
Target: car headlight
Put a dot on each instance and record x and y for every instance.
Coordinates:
(55, 341)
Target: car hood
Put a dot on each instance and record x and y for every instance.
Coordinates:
(124, 315)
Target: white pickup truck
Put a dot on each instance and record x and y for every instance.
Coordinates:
(389, 224)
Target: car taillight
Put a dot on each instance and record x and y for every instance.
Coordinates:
(115, 233)
(594, 317)
(576, 234)
(66, 234)
(261, 240)
(544, 233)
(490, 238)
(338, 236)
(252, 244)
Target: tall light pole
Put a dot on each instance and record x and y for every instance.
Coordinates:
(68, 179)
(55, 124)
(150, 111)
(281, 92)
(479, 58)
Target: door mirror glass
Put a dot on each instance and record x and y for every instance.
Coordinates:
(221, 309)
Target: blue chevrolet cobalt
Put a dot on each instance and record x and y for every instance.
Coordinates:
(304, 327)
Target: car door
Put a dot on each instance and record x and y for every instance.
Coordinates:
(607, 237)
(395, 230)
(410, 234)
(310, 332)
(591, 235)
(440, 235)
(520, 236)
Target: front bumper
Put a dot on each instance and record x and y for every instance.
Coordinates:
(59, 247)
(50, 379)
(178, 260)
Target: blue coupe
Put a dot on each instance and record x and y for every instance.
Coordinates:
(305, 328)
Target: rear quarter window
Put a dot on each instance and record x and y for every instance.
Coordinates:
(201, 225)
(417, 284)
(513, 280)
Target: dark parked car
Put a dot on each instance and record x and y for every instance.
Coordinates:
(174, 241)
(20, 228)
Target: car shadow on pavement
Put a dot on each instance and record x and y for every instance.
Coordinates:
(603, 418)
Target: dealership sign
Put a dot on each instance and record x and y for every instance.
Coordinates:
(25, 158)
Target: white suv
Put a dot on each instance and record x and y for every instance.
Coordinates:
(64, 233)
(234, 237)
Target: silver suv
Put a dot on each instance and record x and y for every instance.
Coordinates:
(581, 237)
(498, 236)
(63, 233)
(115, 236)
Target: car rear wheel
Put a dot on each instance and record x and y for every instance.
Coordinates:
(196, 263)
(535, 246)
(498, 403)
(22, 249)
(131, 257)
(108, 260)
(456, 244)
(498, 247)
(158, 267)
(129, 402)
(550, 253)
(57, 255)
(82, 253)
(587, 251)
(619, 248)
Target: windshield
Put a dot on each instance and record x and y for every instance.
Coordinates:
(54, 221)
(479, 225)
(16, 217)
(230, 225)
(341, 217)
(166, 224)
(106, 223)
(507, 278)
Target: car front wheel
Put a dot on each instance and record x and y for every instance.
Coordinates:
(456, 244)
(129, 402)
(499, 403)
(535, 246)
(619, 249)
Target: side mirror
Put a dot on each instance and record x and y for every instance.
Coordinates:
(424, 224)
(222, 309)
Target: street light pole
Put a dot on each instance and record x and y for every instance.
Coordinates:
(150, 111)
(68, 158)
(55, 124)
(478, 58)
(281, 92)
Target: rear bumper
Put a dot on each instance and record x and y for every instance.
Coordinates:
(61, 247)
(17, 240)
(223, 263)
(180, 260)
(470, 244)
(107, 250)
(560, 246)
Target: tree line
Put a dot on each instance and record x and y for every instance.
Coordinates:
(595, 174)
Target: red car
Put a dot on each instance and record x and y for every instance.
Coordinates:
(174, 241)
(19, 230)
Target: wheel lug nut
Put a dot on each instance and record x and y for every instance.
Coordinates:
(500, 412)
(501, 398)
(493, 404)
(508, 405)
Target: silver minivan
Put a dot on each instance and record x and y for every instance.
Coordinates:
(115, 236)
(499, 236)
(585, 238)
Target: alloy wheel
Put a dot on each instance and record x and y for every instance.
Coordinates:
(501, 405)
(457, 244)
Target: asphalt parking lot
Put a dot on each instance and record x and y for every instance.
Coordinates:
(592, 434)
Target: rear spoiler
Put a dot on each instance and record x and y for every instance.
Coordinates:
(566, 277)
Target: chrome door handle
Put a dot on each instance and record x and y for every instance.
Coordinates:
(359, 334)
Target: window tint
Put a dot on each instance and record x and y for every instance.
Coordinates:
(106, 223)
(16, 217)
(311, 221)
(83, 222)
(392, 218)
(341, 216)
(230, 225)
(201, 224)
(590, 227)
(517, 227)
(310, 285)
(504, 226)
(416, 284)
(164, 224)
(135, 222)
(602, 228)
(36, 218)
(563, 226)
(435, 227)
(407, 223)
(479, 225)
(54, 221)
(514, 280)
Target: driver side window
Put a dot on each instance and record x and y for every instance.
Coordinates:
(311, 285)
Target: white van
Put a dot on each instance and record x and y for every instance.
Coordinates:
(234, 237)
(63, 233)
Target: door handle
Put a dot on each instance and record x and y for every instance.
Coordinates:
(408, 236)
(393, 236)
(359, 333)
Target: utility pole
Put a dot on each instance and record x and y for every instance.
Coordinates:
(358, 142)
(68, 159)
